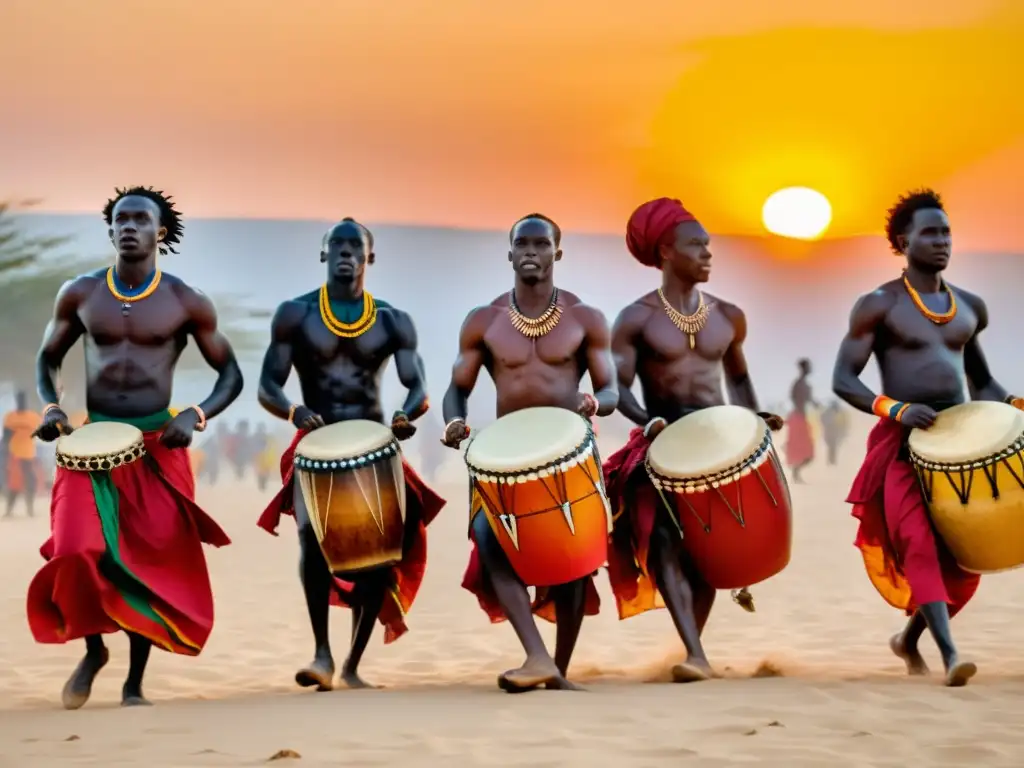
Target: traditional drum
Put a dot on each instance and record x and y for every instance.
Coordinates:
(719, 477)
(970, 464)
(539, 477)
(100, 447)
(353, 485)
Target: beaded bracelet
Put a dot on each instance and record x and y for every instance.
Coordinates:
(887, 408)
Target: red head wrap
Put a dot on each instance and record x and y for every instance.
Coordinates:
(650, 225)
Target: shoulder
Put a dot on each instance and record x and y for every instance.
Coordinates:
(196, 303)
(78, 288)
(871, 309)
(502, 302)
(879, 301)
(972, 300)
(730, 311)
(479, 319)
(290, 314)
(635, 316)
(398, 321)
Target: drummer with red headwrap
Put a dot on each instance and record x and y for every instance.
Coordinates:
(678, 340)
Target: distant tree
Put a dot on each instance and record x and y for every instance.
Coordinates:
(32, 269)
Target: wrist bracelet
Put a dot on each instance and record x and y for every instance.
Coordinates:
(887, 408)
(399, 415)
(291, 414)
(49, 407)
(651, 423)
(1016, 402)
(202, 418)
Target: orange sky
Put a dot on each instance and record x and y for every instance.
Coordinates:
(472, 113)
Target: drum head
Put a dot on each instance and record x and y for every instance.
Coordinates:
(706, 442)
(526, 439)
(101, 438)
(344, 440)
(968, 432)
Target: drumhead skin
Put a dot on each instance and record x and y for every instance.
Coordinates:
(527, 439)
(102, 438)
(344, 440)
(968, 432)
(706, 442)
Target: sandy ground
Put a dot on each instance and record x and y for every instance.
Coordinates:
(834, 695)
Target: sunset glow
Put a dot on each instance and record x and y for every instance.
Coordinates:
(797, 212)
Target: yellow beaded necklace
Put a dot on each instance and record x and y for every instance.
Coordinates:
(127, 299)
(348, 330)
(936, 317)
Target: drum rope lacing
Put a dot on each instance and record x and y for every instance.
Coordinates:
(965, 472)
(714, 482)
(556, 469)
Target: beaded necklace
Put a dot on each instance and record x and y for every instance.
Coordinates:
(128, 296)
(352, 330)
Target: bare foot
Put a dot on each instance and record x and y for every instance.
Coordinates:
(352, 680)
(562, 684)
(136, 701)
(960, 672)
(913, 659)
(320, 674)
(534, 673)
(78, 688)
(692, 671)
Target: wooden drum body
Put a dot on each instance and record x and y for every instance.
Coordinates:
(970, 464)
(719, 476)
(99, 447)
(353, 484)
(539, 476)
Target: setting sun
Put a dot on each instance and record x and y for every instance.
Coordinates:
(797, 212)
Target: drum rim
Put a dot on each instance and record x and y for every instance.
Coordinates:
(386, 452)
(104, 461)
(589, 442)
(715, 479)
(937, 466)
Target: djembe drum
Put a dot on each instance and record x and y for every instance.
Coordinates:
(970, 465)
(100, 447)
(353, 484)
(539, 478)
(719, 477)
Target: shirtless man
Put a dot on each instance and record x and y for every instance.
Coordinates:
(924, 335)
(339, 340)
(542, 370)
(678, 341)
(151, 580)
(799, 438)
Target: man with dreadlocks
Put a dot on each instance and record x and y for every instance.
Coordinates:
(924, 334)
(125, 550)
(339, 339)
(536, 342)
(679, 342)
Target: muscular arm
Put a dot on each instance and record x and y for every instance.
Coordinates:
(277, 362)
(216, 351)
(734, 362)
(625, 335)
(856, 348)
(409, 366)
(472, 355)
(63, 330)
(600, 363)
(980, 382)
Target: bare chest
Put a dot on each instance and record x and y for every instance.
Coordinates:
(912, 330)
(321, 347)
(152, 322)
(663, 343)
(509, 348)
